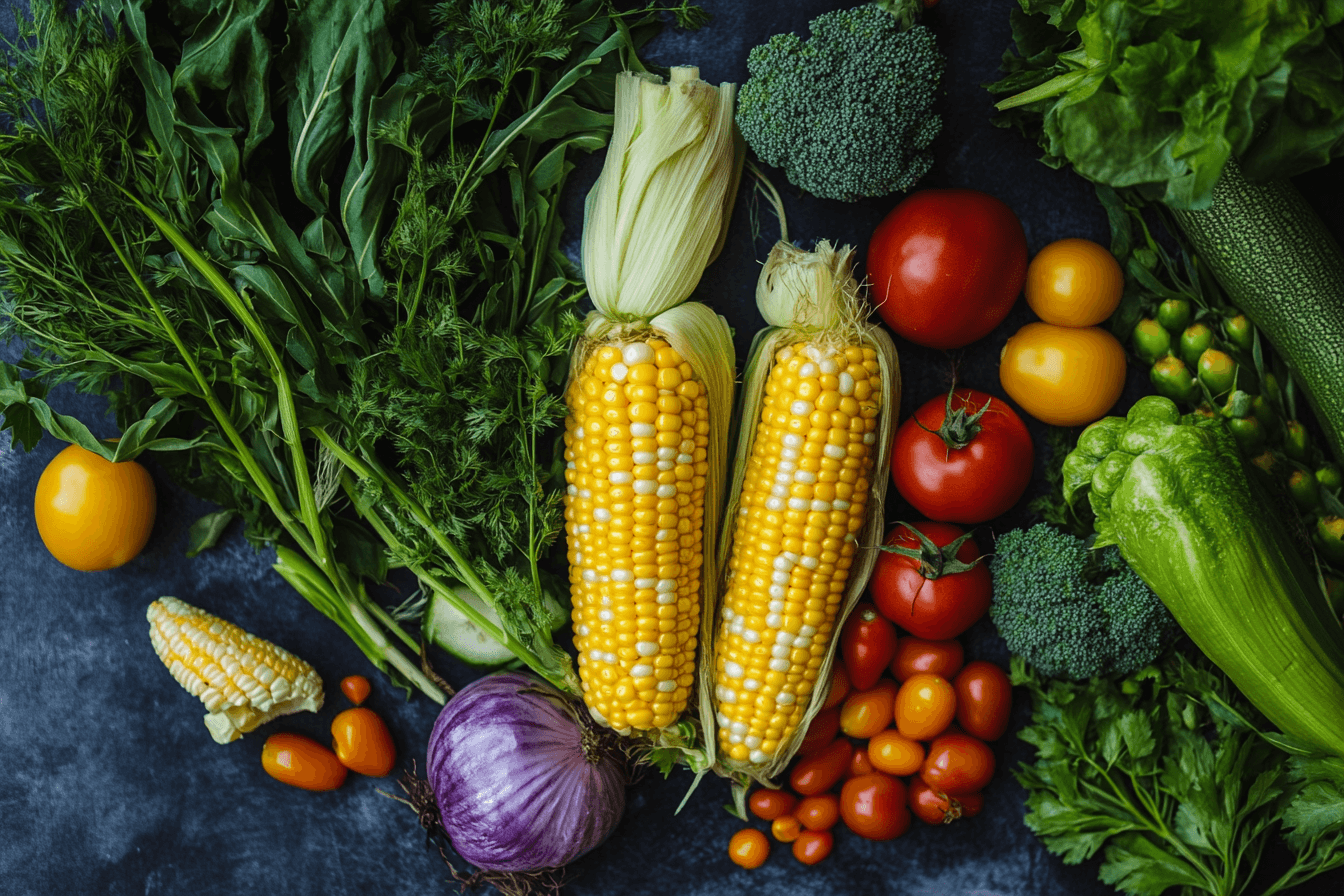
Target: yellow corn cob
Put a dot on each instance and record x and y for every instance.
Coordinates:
(242, 680)
(637, 444)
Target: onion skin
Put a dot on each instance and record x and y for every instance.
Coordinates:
(515, 787)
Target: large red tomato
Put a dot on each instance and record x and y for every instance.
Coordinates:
(946, 266)
(962, 458)
(937, 596)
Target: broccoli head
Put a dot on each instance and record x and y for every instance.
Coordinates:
(847, 113)
(1073, 612)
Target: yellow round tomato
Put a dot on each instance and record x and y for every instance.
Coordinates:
(1065, 376)
(1074, 283)
(93, 514)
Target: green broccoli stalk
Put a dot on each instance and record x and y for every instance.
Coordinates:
(847, 113)
(1072, 612)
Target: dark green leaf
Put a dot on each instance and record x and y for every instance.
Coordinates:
(206, 531)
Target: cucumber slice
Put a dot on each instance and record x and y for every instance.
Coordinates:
(446, 626)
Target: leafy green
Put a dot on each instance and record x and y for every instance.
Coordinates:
(1165, 774)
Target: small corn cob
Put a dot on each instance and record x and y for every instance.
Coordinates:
(243, 681)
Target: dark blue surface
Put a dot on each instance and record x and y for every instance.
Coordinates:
(110, 783)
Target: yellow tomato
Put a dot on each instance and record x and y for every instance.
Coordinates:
(93, 514)
(1074, 283)
(1065, 376)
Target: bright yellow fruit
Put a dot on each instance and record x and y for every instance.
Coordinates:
(1074, 283)
(93, 514)
(1064, 376)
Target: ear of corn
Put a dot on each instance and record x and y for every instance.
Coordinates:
(243, 681)
(650, 397)
(805, 506)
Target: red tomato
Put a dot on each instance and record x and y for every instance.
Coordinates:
(914, 655)
(925, 705)
(813, 846)
(819, 773)
(767, 804)
(935, 607)
(823, 729)
(946, 266)
(936, 808)
(957, 763)
(984, 700)
(873, 806)
(355, 688)
(966, 466)
(867, 712)
(818, 813)
(839, 686)
(860, 764)
(867, 642)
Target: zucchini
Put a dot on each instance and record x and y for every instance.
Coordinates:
(1278, 264)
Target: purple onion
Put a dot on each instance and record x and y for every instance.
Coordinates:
(518, 787)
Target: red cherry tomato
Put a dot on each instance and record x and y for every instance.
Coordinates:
(957, 764)
(825, 725)
(946, 266)
(964, 467)
(355, 688)
(860, 764)
(818, 813)
(819, 773)
(914, 655)
(767, 804)
(813, 846)
(839, 686)
(873, 806)
(984, 700)
(867, 642)
(935, 608)
(935, 808)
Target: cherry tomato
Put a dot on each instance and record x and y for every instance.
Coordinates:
(301, 762)
(825, 725)
(839, 686)
(984, 700)
(818, 813)
(867, 642)
(918, 655)
(819, 773)
(957, 763)
(935, 808)
(1064, 376)
(362, 742)
(963, 458)
(894, 753)
(932, 607)
(873, 806)
(867, 712)
(749, 848)
(925, 705)
(946, 266)
(93, 514)
(860, 764)
(355, 688)
(813, 846)
(767, 804)
(1074, 283)
(785, 828)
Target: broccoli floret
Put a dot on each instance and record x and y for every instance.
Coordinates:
(847, 113)
(1072, 612)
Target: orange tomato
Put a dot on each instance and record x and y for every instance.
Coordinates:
(749, 848)
(1074, 283)
(825, 725)
(867, 712)
(813, 846)
(894, 753)
(93, 514)
(925, 706)
(819, 773)
(873, 806)
(818, 813)
(839, 685)
(356, 688)
(919, 655)
(786, 828)
(860, 764)
(767, 804)
(1064, 376)
(362, 742)
(301, 762)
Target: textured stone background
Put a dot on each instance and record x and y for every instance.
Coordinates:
(109, 783)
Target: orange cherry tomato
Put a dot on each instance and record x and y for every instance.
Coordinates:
(355, 688)
(919, 655)
(1074, 283)
(867, 712)
(957, 764)
(839, 685)
(786, 828)
(301, 762)
(867, 643)
(894, 753)
(823, 729)
(767, 804)
(860, 764)
(1064, 376)
(818, 813)
(873, 806)
(749, 848)
(819, 773)
(937, 808)
(93, 514)
(984, 700)
(925, 706)
(362, 742)
(813, 846)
